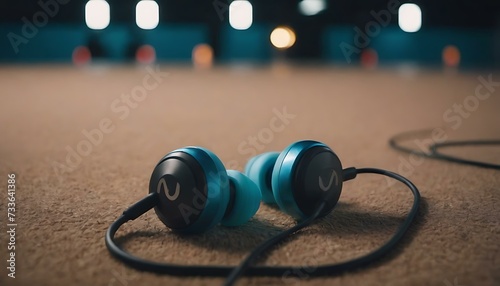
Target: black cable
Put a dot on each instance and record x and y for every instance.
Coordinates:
(273, 241)
(246, 266)
(393, 142)
(433, 149)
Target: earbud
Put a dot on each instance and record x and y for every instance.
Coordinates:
(196, 192)
(299, 178)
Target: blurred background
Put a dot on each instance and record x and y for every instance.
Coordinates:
(453, 33)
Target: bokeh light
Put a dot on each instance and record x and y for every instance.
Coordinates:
(145, 54)
(97, 14)
(240, 14)
(283, 37)
(369, 58)
(451, 56)
(147, 14)
(410, 17)
(311, 7)
(81, 56)
(203, 56)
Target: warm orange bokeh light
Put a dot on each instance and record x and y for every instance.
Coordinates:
(203, 56)
(282, 37)
(451, 56)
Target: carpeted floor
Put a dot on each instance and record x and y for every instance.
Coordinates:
(65, 201)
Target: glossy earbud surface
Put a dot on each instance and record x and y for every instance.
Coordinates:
(305, 173)
(196, 192)
(301, 176)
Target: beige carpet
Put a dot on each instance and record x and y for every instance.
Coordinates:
(63, 213)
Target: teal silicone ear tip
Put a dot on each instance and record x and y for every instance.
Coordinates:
(257, 170)
(249, 165)
(247, 199)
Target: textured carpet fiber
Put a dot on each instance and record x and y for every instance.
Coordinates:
(69, 188)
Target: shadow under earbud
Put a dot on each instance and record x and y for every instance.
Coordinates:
(229, 239)
(345, 219)
(235, 239)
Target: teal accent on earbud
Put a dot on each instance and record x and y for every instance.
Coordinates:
(258, 169)
(283, 172)
(217, 185)
(247, 199)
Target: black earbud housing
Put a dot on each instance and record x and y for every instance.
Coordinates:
(180, 183)
(317, 176)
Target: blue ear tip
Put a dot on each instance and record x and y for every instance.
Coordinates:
(246, 201)
(257, 170)
(249, 165)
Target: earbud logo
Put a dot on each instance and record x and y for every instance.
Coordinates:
(332, 177)
(163, 184)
